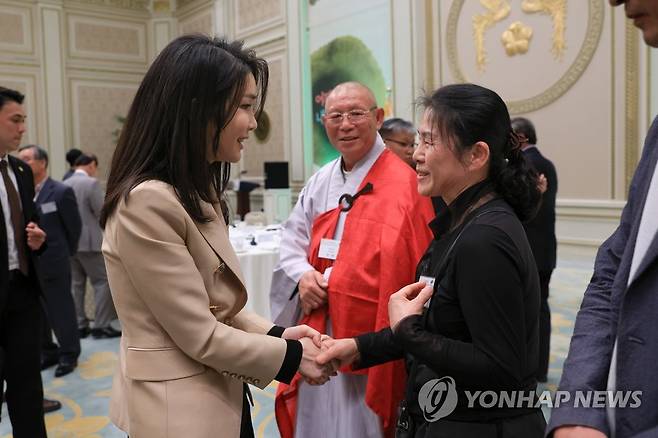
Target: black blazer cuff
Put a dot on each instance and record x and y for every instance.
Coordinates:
(291, 361)
(276, 331)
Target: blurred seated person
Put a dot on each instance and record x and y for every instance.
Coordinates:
(399, 136)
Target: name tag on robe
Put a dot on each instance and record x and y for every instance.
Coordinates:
(429, 281)
(329, 249)
(48, 207)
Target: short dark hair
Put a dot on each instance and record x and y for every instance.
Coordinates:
(395, 125)
(39, 152)
(72, 155)
(464, 114)
(521, 125)
(194, 84)
(9, 95)
(85, 159)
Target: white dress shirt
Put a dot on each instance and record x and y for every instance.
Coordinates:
(12, 251)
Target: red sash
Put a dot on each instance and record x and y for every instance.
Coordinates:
(384, 237)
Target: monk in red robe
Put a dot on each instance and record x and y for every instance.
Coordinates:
(355, 236)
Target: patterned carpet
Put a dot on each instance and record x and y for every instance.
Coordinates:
(85, 393)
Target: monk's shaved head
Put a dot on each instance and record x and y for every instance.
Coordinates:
(352, 135)
(352, 88)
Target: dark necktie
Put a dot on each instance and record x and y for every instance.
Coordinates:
(16, 218)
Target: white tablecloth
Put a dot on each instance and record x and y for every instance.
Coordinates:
(257, 262)
(257, 266)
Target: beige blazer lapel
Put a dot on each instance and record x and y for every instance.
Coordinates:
(216, 234)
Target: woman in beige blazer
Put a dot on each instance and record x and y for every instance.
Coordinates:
(188, 348)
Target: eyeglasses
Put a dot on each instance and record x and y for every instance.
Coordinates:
(401, 143)
(354, 116)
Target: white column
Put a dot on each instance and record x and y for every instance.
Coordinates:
(163, 31)
(220, 17)
(301, 159)
(402, 30)
(52, 69)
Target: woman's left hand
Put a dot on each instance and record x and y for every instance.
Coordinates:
(302, 331)
(407, 301)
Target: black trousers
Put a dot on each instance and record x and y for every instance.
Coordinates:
(524, 426)
(544, 324)
(246, 428)
(20, 337)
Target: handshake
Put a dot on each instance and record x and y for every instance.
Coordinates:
(322, 355)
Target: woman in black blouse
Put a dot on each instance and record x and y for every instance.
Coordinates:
(480, 329)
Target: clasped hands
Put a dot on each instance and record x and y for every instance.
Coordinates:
(313, 343)
(323, 356)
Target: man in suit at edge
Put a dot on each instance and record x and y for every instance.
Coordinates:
(614, 345)
(60, 219)
(20, 238)
(88, 261)
(541, 233)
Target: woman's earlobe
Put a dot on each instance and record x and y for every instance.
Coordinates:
(480, 154)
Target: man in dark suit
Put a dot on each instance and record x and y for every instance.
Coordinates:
(541, 233)
(59, 218)
(615, 341)
(20, 316)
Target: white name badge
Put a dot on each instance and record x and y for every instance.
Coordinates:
(429, 281)
(329, 249)
(48, 207)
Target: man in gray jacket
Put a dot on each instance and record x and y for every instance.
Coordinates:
(88, 261)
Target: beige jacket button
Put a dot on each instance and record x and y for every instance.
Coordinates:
(256, 381)
(224, 373)
(241, 377)
(249, 380)
(233, 375)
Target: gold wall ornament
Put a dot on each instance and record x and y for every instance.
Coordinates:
(497, 10)
(161, 6)
(516, 38)
(557, 9)
(555, 91)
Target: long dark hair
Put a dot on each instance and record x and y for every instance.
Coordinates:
(195, 84)
(465, 114)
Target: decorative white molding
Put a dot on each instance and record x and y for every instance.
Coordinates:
(16, 27)
(586, 222)
(104, 39)
(26, 83)
(135, 5)
(269, 14)
(201, 21)
(96, 104)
